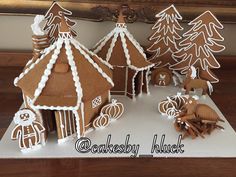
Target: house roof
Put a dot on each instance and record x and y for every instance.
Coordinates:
(119, 48)
(65, 75)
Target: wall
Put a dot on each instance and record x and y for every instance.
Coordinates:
(15, 33)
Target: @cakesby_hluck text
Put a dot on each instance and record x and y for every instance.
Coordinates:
(85, 145)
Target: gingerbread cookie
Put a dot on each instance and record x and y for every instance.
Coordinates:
(53, 19)
(198, 46)
(166, 104)
(192, 83)
(161, 77)
(173, 105)
(114, 109)
(165, 37)
(198, 119)
(102, 121)
(179, 99)
(27, 130)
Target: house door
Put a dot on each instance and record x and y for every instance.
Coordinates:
(66, 125)
(119, 79)
(138, 81)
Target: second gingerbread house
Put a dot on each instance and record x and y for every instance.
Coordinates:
(130, 67)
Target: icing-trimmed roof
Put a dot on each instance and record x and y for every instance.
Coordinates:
(119, 48)
(88, 76)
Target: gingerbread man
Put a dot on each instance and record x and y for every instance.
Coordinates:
(27, 131)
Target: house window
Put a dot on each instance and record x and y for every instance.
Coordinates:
(96, 101)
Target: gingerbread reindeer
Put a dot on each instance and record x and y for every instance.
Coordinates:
(195, 110)
(28, 131)
(191, 83)
(197, 118)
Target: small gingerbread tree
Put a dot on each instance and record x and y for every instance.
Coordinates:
(198, 46)
(53, 17)
(164, 39)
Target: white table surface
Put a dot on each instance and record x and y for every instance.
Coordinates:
(141, 121)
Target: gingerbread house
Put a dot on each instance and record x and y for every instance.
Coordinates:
(67, 86)
(130, 67)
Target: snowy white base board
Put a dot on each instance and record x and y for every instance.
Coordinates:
(141, 122)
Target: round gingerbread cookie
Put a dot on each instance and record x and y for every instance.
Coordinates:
(161, 77)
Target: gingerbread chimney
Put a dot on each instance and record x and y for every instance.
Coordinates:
(120, 20)
(39, 38)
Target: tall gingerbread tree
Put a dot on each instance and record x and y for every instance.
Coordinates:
(199, 45)
(53, 20)
(165, 37)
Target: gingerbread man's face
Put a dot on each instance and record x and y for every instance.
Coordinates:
(24, 117)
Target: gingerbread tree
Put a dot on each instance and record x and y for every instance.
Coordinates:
(198, 46)
(165, 37)
(53, 17)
